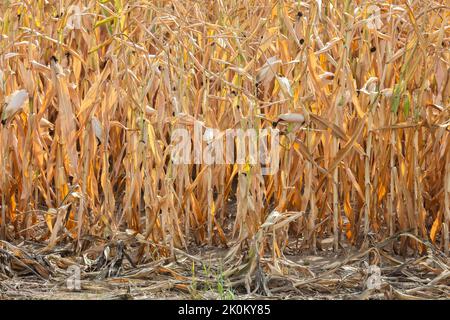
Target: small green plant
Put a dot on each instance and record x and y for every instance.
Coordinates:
(225, 291)
(214, 283)
(193, 287)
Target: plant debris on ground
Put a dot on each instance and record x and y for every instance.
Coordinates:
(93, 92)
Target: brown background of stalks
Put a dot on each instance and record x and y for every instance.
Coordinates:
(89, 153)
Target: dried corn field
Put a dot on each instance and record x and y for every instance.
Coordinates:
(358, 92)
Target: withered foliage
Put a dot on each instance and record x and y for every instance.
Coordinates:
(91, 91)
